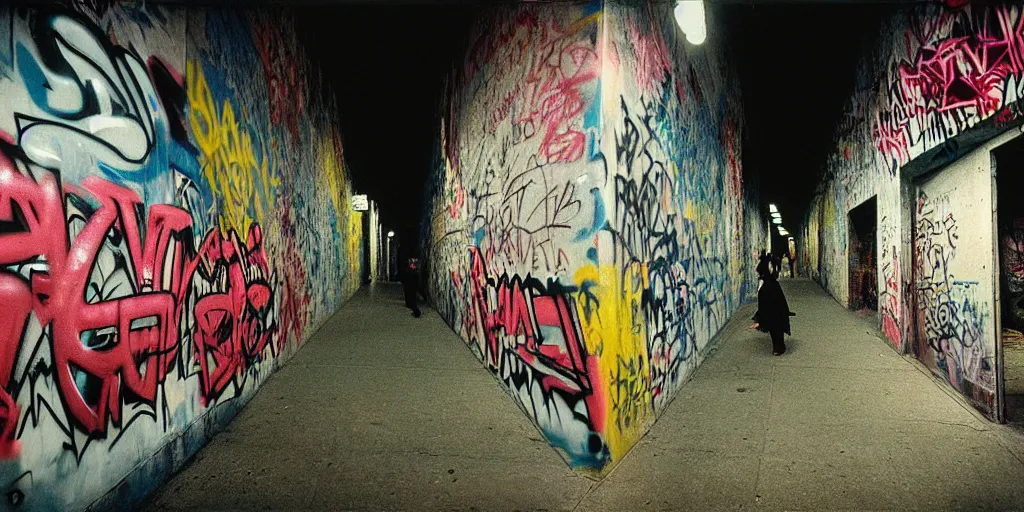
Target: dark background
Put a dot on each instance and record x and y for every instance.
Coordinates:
(385, 63)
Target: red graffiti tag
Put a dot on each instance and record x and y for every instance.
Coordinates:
(101, 344)
(113, 293)
(231, 326)
(891, 302)
(549, 99)
(514, 311)
(284, 80)
(964, 74)
(650, 54)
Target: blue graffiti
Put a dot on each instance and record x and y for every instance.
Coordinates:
(966, 284)
(599, 217)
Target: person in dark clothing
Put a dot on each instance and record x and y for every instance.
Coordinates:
(773, 311)
(411, 283)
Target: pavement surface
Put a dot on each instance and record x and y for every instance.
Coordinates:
(382, 411)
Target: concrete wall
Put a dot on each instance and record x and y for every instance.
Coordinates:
(376, 242)
(590, 230)
(939, 81)
(174, 222)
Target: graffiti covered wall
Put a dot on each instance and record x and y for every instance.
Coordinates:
(938, 71)
(167, 178)
(590, 229)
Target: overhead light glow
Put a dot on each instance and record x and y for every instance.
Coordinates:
(391, 234)
(773, 209)
(776, 215)
(776, 221)
(690, 18)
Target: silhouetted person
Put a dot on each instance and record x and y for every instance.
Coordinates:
(411, 283)
(776, 265)
(773, 312)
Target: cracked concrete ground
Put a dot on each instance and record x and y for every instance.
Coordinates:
(381, 411)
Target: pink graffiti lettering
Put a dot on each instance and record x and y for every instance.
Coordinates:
(517, 313)
(230, 325)
(946, 81)
(549, 100)
(891, 301)
(101, 345)
(650, 54)
(112, 294)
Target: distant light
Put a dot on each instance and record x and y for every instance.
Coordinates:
(391, 234)
(360, 203)
(777, 214)
(690, 18)
(777, 220)
(773, 209)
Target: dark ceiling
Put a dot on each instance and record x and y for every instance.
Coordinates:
(797, 64)
(386, 65)
(386, 62)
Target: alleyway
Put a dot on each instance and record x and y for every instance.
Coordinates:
(383, 411)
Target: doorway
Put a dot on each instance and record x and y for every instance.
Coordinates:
(1009, 162)
(954, 239)
(863, 223)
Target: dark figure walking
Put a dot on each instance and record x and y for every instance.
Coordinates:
(411, 283)
(773, 311)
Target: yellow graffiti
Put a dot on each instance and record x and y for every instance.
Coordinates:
(335, 175)
(583, 23)
(348, 223)
(615, 332)
(703, 218)
(242, 182)
(352, 254)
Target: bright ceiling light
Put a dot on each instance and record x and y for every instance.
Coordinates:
(777, 221)
(690, 18)
(773, 209)
(391, 234)
(776, 215)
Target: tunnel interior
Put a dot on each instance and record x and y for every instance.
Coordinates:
(592, 331)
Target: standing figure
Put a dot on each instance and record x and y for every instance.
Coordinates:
(411, 283)
(773, 311)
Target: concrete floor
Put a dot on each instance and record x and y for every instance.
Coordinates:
(380, 411)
